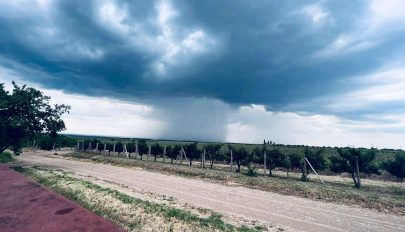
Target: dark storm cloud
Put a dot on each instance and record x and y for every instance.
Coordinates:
(240, 52)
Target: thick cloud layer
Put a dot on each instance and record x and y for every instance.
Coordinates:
(338, 58)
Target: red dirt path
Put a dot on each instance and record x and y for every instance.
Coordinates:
(28, 206)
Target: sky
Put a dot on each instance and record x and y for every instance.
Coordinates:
(327, 73)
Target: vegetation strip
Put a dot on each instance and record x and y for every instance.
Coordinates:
(389, 199)
(85, 193)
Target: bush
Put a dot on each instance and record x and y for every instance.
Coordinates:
(397, 166)
(6, 157)
(251, 170)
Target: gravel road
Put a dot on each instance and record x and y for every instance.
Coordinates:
(284, 211)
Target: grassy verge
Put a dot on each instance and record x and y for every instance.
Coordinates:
(389, 199)
(6, 157)
(131, 213)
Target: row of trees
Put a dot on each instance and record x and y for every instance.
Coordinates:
(350, 160)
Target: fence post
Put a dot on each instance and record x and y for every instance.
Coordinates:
(265, 164)
(304, 175)
(149, 151)
(126, 151)
(96, 148)
(78, 146)
(231, 161)
(136, 150)
(204, 158)
(113, 148)
(358, 172)
(164, 154)
(105, 148)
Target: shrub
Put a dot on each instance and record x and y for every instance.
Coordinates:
(251, 170)
(6, 157)
(397, 166)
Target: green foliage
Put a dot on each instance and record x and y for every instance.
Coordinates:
(142, 147)
(6, 157)
(316, 159)
(156, 149)
(26, 112)
(192, 152)
(275, 159)
(212, 152)
(397, 166)
(239, 156)
(251, 170)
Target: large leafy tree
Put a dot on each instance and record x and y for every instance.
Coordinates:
(26, 112)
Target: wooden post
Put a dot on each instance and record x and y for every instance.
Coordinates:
(96, 148)
(265, 164)
(231, 161)
(136, 150)
(105, 147)
(204, 158)
(113, 148)
(126, 151)
(304, 174)
(358, 172)
(149, 151)
(78, 146)
(201, 161)
(83, 146)
(90, 148)
(181, 156)
(164, 154)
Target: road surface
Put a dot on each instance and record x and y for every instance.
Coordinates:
(284, 211)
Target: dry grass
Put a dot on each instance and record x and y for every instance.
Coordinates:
(132, 214)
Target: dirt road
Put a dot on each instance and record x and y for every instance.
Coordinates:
(285, 211)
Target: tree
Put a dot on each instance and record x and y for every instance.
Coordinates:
(397, 166)
(142, 147)
(119, 147)
(239, 156)
(131, 147)
(275, 159)
(26, 112)
(191, 152)
(156, 149)
(354, 161)
(212, 151)
(173, 152)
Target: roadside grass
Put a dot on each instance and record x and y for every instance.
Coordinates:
(6, 157)
(132, 214)
(388, 199)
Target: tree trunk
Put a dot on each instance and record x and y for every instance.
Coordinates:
(270, 167)
(155, 157)
(238, 163)
(171, 160)
(141, 157)
(191, 162)
(211, 163)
